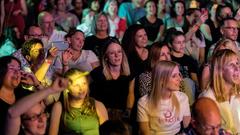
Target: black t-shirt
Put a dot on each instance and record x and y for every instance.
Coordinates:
(95, 44)
(3, 114)
(187, 65)
(113, 93)
(152, 29)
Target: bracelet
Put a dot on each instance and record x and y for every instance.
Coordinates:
(48, 61)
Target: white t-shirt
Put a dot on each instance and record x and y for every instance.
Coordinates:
(83, 62)
(166, 121)
(230, 111)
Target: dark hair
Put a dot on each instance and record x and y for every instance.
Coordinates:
(72, 31)
(189, 12)
(145, 5)
(107, 43)
(219, 10)
(114, 127)
(227, 19)
(128, 41)
(4, 61)
(174, 35)
(172, 10)
(26, 47)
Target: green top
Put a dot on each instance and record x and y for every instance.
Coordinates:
(82, 121)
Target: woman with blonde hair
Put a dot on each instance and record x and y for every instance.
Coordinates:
(80, 114)
(221, 44)
(223, 88)
(163, 110)
(111, 81)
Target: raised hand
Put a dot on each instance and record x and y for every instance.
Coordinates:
(52, 53)
(29, 79)
(66, 56)
(59, 84)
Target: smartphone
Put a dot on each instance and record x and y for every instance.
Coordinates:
(60, 45)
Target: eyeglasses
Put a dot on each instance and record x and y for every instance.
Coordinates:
(231, 28)
(36, 117)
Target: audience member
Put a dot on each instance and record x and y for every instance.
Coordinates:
(30, 117)
(177, 19)
(159, 51)
(77, 9)
(222, 89)
(188, 66)
(132, 11)
(15, 11)
(78, 113)
(75, 56)
(205, 121)
(117, 25)
(154, 27)
(100, 31)
(220, 45)
(163, 110)
(229, 30)
(51, 35)
(111, 81)
(63, 18)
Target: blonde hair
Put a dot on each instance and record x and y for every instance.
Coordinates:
(224, 42)
(72, 74)
(125, 70)
(160, 79)
(217, 83)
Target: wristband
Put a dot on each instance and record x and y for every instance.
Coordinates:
(48, 61)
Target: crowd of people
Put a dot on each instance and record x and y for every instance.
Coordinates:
(120, 67)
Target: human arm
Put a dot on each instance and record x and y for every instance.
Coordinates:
(101, 112)
(142, 118)
(144, 128)
(205, 77)
(131, 97)
(55, 118)
(186, 110)
(42, 70)
(23, 105)
(192, 30)
(66, 57)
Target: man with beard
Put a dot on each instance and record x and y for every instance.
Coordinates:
(229, 30)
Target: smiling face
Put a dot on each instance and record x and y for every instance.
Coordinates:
(13, 76)
(78, 86)
(35, 120)
(102, 23)
(231, 71)
(141, 38)
(174, 81)
(114, 54)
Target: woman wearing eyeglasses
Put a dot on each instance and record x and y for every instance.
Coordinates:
(28, 114)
